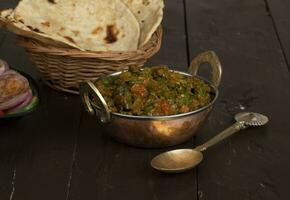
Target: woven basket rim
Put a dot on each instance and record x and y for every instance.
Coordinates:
(146, 50)
(64, 68)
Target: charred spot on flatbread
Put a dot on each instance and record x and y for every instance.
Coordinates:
(52, 1)
(97, 30)
(62, 29)
(145, 2)
(69, 39)
(34, 29)
(16, 17)
(112, 33)
(76, 33)
(47, 24)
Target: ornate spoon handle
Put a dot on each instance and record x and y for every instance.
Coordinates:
(236, 127)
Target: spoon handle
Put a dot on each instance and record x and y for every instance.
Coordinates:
(236, 127)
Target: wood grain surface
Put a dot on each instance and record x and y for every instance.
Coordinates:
(255, 163)
(60, 152)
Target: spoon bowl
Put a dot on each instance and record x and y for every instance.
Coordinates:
(177, 160)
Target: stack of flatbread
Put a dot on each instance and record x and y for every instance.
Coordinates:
(95, 25)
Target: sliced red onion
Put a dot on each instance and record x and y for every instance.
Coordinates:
(23, 104)
(3, 66)
(5, 78)
(16, 100)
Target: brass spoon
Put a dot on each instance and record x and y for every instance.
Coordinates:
(180, 160)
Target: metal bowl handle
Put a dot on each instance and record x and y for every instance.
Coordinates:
(100, 108)
(211, 58)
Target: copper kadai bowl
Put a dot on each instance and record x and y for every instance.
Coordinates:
(150, 131)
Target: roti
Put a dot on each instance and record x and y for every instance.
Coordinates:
(7, 20)
(149, 14)
(103, 25)
(96, 25)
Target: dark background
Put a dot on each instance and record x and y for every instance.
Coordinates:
(59, 152)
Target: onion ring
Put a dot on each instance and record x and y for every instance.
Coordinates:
(23, 104)
(12, 84)
(15, 100)
(3, 66)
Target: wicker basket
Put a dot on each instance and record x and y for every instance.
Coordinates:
(64, 68)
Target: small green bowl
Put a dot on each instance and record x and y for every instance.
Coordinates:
(35, 99)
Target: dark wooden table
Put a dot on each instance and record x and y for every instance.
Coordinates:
(60, 152)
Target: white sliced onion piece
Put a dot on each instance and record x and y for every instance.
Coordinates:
(16, 100)
(3, 66)
(23, 104)
(11, 74)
